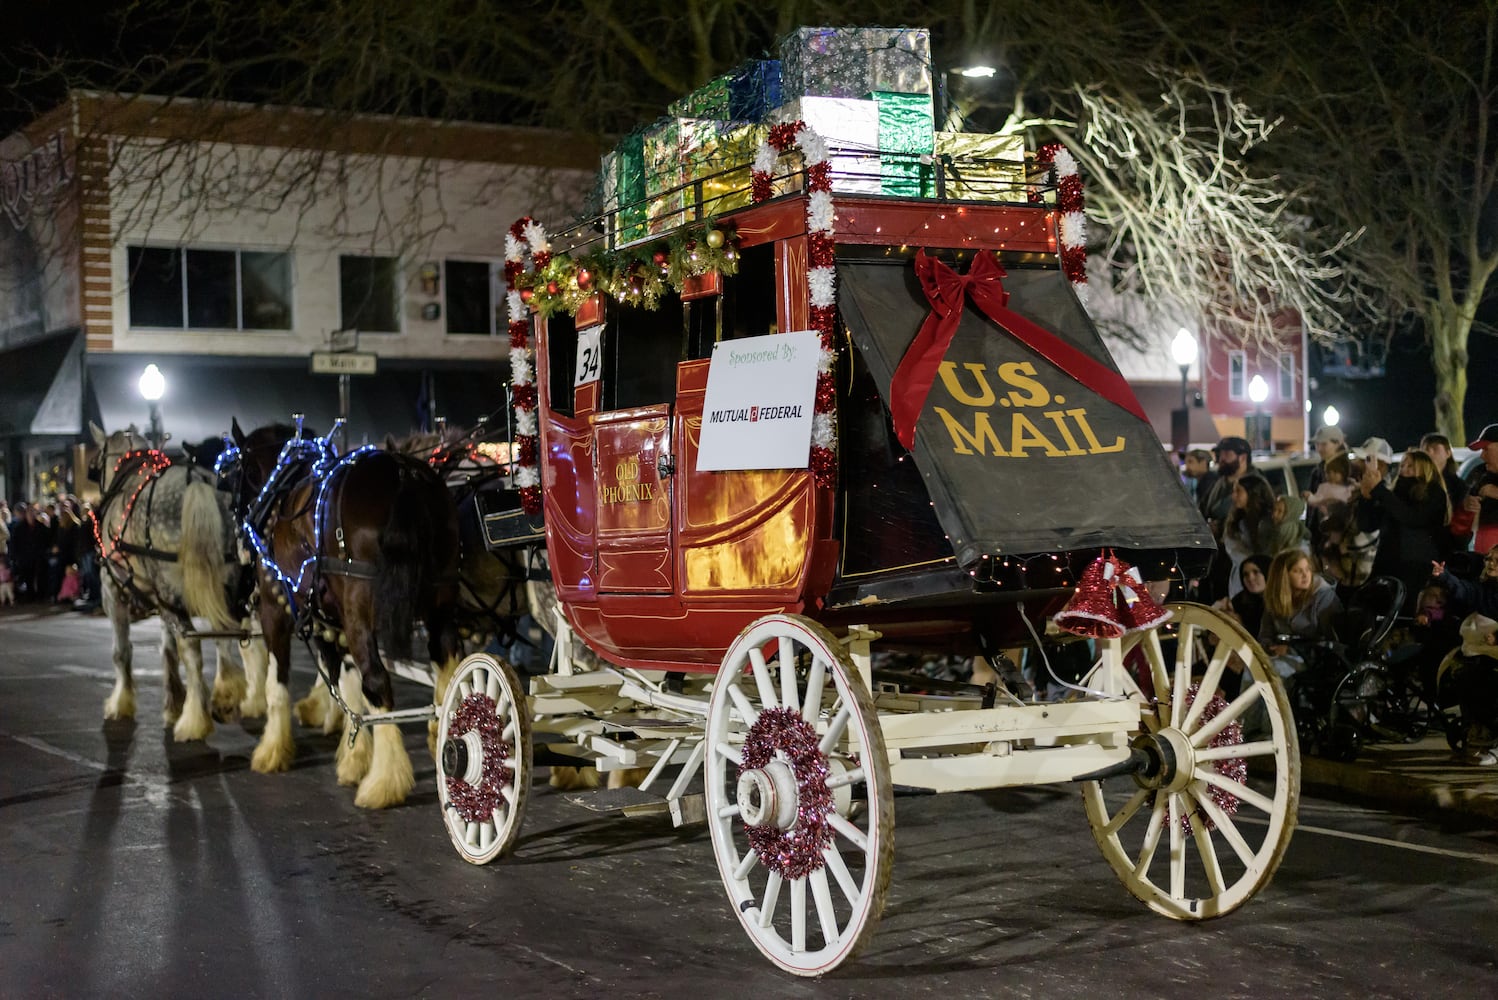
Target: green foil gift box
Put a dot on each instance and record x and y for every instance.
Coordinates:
(623, 183)
(711, 100)
(907, 136)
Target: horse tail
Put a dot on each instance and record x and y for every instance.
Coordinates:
(403, 571)
(202, 556)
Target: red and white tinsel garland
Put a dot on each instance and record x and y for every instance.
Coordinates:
(1073, 227)
(821, 275)
(526, 239)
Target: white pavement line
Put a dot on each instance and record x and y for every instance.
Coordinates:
(156, 791)
(1487, 859)
(68, 755)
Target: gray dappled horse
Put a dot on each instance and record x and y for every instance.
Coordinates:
(165, 539)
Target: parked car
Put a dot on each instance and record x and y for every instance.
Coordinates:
(1288, 475)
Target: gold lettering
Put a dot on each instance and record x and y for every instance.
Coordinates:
(1014, 374)
(1093, 445)
(982, 433)
(1027, 435)
(1059, 419)
(949, 379)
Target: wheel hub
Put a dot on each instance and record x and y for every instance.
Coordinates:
(463, 757)
(768, 796)
(1171, 760)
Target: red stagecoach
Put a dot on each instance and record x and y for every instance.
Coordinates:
(968, 464)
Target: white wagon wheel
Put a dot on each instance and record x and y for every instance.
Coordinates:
(798, 794)
(1222, 807)
(483, 758)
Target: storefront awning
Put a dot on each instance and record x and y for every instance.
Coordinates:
(204, 395)
(42, 390)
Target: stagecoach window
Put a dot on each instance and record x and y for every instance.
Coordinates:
(471, 296)
(209, 289)
(561, 359)
(749, 296)
(641, 348)
(369, 294)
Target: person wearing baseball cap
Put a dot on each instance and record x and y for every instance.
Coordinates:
(1234, 460)
(1483, 500)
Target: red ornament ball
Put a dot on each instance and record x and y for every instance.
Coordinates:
(659, 257)
(552, 288)
(584, 277)
(526, 294)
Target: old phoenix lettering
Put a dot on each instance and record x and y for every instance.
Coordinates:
(629, 489)
(752, 414)
(1068, 435)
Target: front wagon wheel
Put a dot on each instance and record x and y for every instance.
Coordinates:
(1206, 831)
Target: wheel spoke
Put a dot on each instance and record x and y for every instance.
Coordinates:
(729, 811)
(1184, 658)
(822, 896)
(1177, 850)
(1259, 748)
(492, 688)
(1235, 708)
(855, 836)
(762, 679)
(841, 874)
(741, 702)
(1127, 812)
(1159, 675)
(835, 729)
(787, 658)
(798, 915)
(1151, 836)
(746, 864)
(1209, 683)
(1263, 803)
(1227, 828)
(812, 707)
(849, 777)
(731, 752)
(1203, 838)
(465, 688)
(772, 895)
(471, 834)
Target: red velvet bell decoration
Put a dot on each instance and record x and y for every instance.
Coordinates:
(1138, 610)
(1093, 609)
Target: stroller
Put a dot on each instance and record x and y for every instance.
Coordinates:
(1354, 691)
(1467, 686)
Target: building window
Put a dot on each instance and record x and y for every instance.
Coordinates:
(173, 288)
(1287, 376)
(368, 289)
(1237, 375)
(472, 295)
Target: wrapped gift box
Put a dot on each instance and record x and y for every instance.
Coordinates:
(679, 152)
(851, 62)
(711, 100)
(723, 163)
(623, 184)
(851, 130)
(982, 167)
(754, 90)
(907, 135)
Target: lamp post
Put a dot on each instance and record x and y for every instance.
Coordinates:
(1183, 350)
(1260, 435)
(152, 388)
(1330, 416)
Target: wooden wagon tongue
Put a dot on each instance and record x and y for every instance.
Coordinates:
(1110, 600)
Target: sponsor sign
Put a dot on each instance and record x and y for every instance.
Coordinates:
(760, 396)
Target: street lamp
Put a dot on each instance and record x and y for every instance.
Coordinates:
(1183, 350)
(152, 388)
(1259, 432)
(1330, 416)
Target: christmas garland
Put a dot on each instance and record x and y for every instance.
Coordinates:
(526, 238)
(1073, 227)
(821, 275)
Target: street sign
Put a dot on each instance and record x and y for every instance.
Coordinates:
(356, 363)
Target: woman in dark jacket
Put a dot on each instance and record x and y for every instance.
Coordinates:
(1411, 519)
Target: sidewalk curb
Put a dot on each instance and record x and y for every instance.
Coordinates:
(1475, 796)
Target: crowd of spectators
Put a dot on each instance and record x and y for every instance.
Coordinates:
(47, 554)
(1287, 566)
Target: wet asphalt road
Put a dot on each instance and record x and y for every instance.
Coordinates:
(135, 867)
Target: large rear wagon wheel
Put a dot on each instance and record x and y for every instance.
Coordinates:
(483, 758)
(798, 795)
(1204, 832)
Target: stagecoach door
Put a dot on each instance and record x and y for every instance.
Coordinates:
(633, 452)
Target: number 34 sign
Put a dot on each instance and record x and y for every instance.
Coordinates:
(589, 355)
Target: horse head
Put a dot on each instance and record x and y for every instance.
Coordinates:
(112, 448)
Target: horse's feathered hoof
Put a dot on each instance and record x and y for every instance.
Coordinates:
(228, 695)
(194, 724)
(390, 778)
(312, 710)
(353, 761)
(253, 708)
(120, 705)
(273, 758)
(569, 779)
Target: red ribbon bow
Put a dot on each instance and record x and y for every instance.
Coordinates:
(948, 291)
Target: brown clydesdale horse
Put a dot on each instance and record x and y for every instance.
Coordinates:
(352, 549)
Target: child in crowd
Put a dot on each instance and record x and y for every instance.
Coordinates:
(7, 582)
(71, 588)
